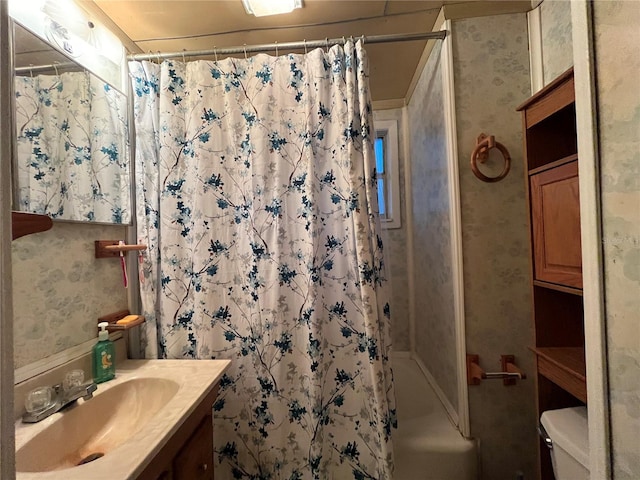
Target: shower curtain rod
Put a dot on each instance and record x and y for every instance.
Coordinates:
(42, 68)
(266, 47)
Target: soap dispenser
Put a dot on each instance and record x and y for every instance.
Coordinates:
(103, 356)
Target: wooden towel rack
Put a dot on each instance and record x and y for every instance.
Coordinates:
(509, 374)
(484, 143)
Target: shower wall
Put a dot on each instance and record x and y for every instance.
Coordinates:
(435, 341)
(395, 247)
(491, 75)
(491, 78)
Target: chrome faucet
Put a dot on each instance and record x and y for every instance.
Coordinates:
(45, 401)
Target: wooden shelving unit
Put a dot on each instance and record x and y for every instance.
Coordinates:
(551, 155)
(564, 366)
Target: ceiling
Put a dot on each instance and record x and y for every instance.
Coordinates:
(177, 25)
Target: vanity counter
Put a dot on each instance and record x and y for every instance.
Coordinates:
(146, 406)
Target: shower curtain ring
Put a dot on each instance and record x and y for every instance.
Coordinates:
(183, 61)
(55, 67)
(326, 42)
(31, 69)
(215, 53)
(244, 47)
(276, 48)
(158, 57)
(304, 40)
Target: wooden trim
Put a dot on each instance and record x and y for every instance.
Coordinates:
(560, 288)
(557, 163)
(546, 90)
(547, 105)
(564, 366)
(113, 248)
(23, 223)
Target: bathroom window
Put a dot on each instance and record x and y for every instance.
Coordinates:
(386, 150)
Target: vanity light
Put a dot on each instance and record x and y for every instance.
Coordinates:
(261, 8)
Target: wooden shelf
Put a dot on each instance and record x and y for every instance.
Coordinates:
(23, 223)
(113, 248)
(560, 288)
(552, 183)
(557, 163)
(566, 367)
(550, 99)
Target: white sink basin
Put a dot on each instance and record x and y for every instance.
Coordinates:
(93, 428)
(122, 428)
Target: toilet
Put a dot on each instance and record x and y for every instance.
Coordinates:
(566, 433)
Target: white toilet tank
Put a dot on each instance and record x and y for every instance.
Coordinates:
(569, 433)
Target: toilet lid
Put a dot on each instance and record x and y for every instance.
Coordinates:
(568, 428)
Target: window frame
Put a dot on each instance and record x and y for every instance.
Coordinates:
(388, 130)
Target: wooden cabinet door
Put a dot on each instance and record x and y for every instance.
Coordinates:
(195, 459)
(555, 217)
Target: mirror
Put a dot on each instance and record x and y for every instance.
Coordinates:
(71, 154)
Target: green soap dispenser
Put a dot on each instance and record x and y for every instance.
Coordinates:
(104, 356)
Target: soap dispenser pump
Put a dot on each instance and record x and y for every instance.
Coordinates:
(103, 356)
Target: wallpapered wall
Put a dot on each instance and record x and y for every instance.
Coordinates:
(491, 72)
(60, 288)
(557, 44)
(395, 249)
(617, 36)
(435, 341)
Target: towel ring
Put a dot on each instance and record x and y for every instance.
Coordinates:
(484, 143)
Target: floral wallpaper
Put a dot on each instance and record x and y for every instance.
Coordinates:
(491, 74)
(395, 248)
(60, 288)
(434, 308)
(617, 37)
(557, 43)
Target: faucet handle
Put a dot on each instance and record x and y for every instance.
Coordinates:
(92, 387)
(39, 399)
(73, 379)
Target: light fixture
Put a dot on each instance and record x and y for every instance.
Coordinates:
(261, 8)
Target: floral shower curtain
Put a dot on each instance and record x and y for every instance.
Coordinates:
(256, 194)
(72, 148)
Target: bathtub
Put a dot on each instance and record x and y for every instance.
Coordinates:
(427, 446)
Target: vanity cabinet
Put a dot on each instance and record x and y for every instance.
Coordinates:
(188, 455)
(552, 159)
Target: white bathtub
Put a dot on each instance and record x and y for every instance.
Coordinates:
(427, 446)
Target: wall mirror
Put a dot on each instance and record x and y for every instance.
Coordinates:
(71, 157)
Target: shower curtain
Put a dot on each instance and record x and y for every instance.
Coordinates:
(72, 161)
(256, 194)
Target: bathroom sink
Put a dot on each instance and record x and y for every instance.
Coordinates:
(91, 429)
